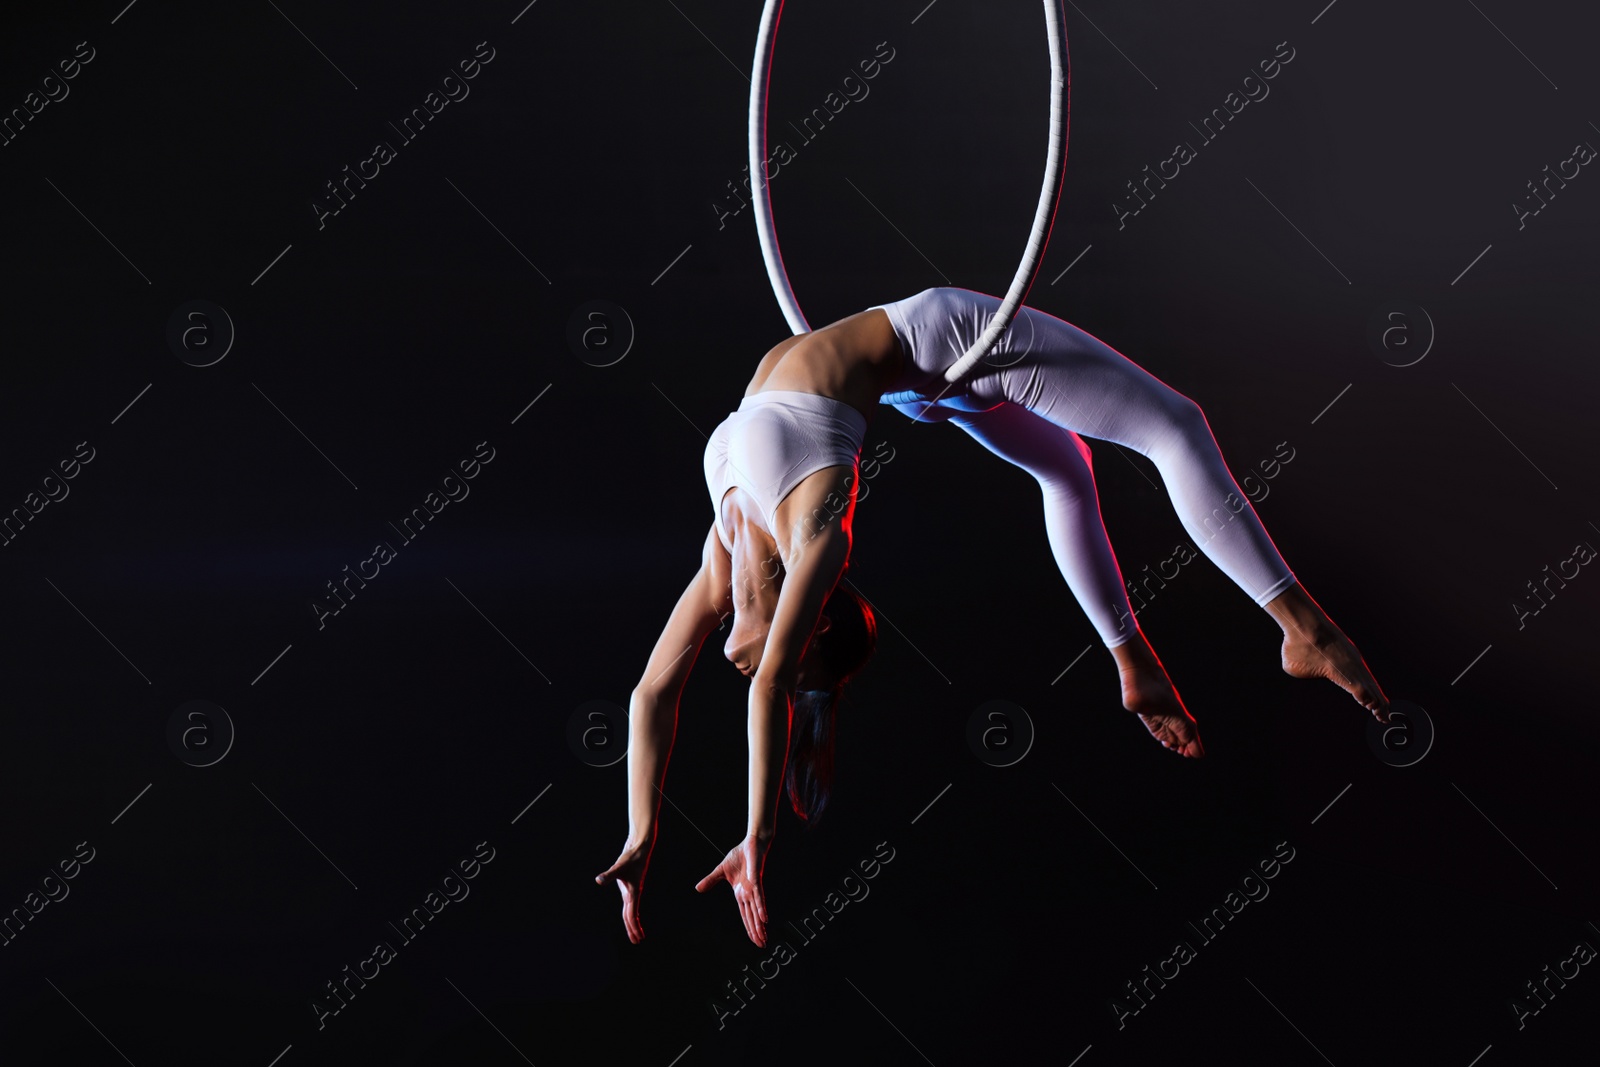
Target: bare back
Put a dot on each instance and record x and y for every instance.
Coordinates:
(849, 360)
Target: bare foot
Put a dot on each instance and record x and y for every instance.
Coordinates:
(1324, 652)
(1313, 647)
(1149, 693)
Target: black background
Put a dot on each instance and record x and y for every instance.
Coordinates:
(427, 715)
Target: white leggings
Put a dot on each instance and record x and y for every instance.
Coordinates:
(1045, 383)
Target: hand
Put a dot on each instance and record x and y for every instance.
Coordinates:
(741, 869)
(628, 873)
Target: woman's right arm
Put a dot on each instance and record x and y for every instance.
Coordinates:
(653, 718)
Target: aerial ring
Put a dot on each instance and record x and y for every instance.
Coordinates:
(1043, 218)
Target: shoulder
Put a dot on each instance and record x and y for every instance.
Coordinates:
(770, 361)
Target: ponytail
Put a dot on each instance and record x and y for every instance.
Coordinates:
(812, 727)
(841, 650)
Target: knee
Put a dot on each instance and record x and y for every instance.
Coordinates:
(1187, 418)
(1064, 480)
(1066, 492)
(1178, 428)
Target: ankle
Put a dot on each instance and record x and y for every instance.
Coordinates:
(1135, 655)
(1296, 614)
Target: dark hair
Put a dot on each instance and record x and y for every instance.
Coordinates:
(840, 651)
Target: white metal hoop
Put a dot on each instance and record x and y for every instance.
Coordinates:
(1044, 215)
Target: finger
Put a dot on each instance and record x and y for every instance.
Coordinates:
(627, 907)
(748, 916)
(630, 917)
(758, 925)
(758, 900)
(710, 880)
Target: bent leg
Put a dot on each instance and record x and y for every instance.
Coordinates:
(1059, 461)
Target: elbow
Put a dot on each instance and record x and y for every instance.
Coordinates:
(643, 699)
(778, 682)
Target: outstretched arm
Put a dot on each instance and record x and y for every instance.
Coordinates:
(809, 580)
(653, 720)
(806, 588)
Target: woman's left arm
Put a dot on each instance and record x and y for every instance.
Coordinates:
(808, 581)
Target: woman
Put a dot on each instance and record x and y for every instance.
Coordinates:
(782, 473)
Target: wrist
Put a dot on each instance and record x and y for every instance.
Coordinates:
(762, 835)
